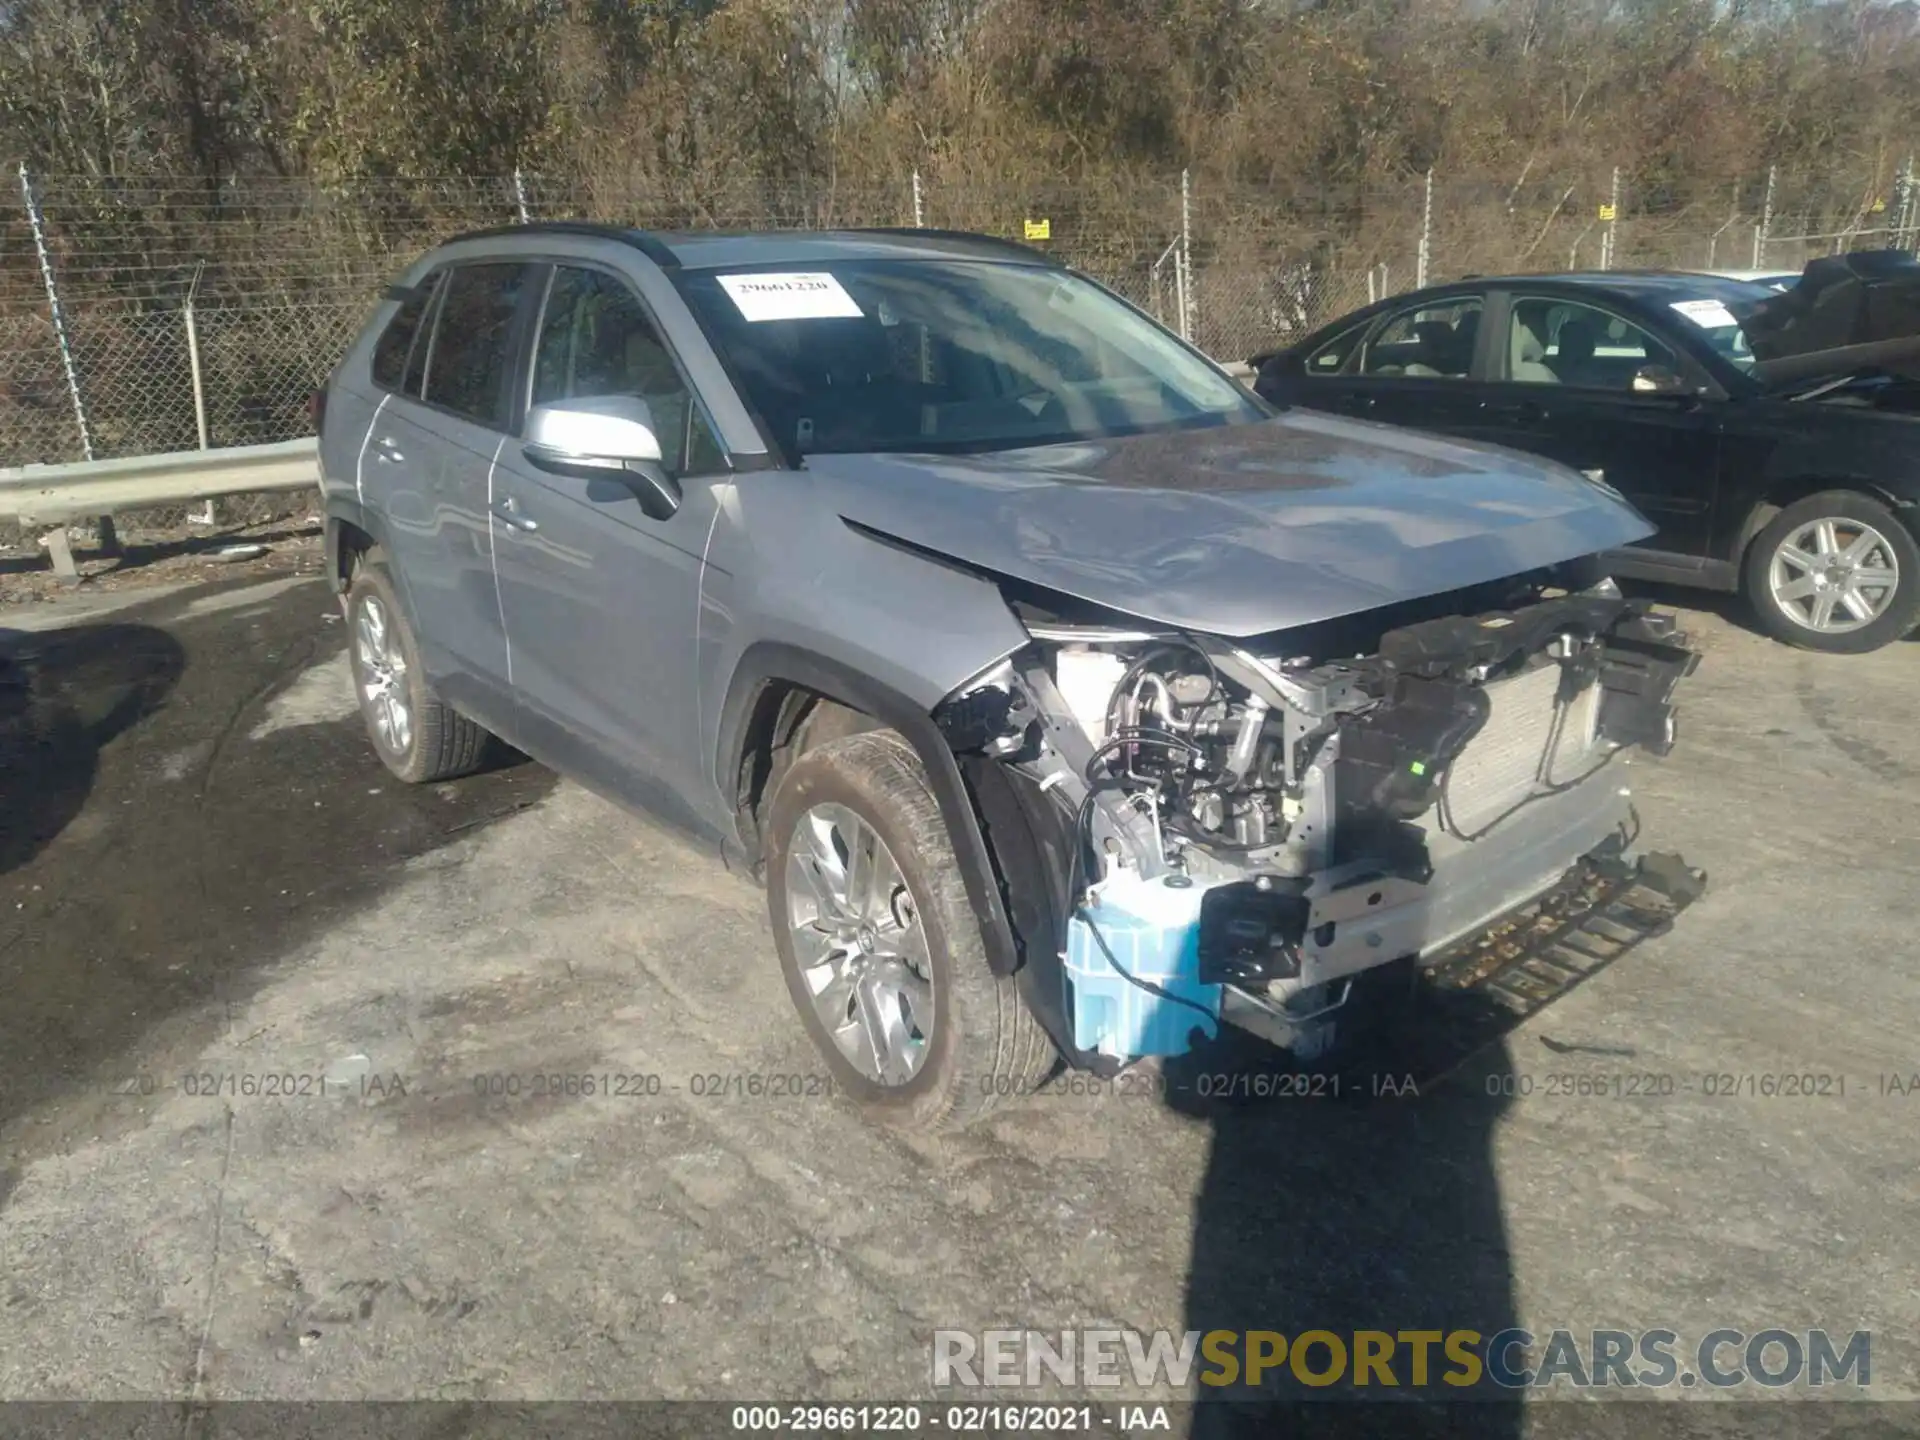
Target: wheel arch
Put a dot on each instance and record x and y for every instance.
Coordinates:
(350, 531)
(775, 690)
(1782, 493)
(346, 542)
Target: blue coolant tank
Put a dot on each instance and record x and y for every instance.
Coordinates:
(1152, 928)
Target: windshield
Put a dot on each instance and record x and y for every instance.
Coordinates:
(1718, 314)
(951, 355)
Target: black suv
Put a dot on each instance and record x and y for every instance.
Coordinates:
(1772, 437)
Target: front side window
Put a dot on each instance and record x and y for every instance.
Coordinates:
(1562, 342)
(596, 340)
(949, 356)
(397, 341)
(1720, 316)
(472, 351)
(1433, 341)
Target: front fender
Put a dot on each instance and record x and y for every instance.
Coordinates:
(772, 666)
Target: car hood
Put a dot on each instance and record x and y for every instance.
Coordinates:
(1239, 529)
(1848, 313)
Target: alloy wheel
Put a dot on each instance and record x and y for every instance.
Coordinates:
(383, 674)
(859, 944)
(1834, 575)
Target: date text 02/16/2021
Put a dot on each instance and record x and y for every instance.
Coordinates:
(958, 1419)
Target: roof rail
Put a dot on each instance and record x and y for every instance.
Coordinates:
(994, 241)
(647, 243)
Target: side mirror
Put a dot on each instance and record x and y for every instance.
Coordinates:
(1658, 380)
(607, 437)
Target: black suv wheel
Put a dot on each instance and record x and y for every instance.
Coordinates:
(1837, 572)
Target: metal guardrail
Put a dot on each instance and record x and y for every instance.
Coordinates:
(52, 495)
(55, 494)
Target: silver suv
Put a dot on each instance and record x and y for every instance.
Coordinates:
(1069, 701)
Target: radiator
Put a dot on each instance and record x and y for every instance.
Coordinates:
(1509, 757)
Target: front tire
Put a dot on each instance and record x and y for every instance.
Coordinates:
(879, 946)
(1837, 572)
(418, 736)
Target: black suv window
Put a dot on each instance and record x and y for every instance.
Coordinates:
(1331, 358)
(1432, 341)
(1562, 342)
(596, 339)
(473, 339)
(396, 341)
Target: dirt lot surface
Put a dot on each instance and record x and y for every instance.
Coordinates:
(209, 889)
(158, 557)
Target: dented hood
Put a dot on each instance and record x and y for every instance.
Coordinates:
(1240, 529)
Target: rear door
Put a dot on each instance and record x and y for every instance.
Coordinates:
(355, 397)
(387, 449)
(1413, 366)
(439, 444)
(601, 601)
(1568, 378)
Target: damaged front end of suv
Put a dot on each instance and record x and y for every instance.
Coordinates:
(1236, 713)
(1194, 830)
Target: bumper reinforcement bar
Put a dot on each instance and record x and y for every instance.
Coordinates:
(1487, 985)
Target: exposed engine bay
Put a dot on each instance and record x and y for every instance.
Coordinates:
(1251, 824)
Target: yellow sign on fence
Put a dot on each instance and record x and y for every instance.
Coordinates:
(1607, 212)
(1039, 229)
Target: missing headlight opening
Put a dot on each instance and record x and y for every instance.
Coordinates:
(1253, 825)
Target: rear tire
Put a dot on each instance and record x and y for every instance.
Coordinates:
(418, 736)
(890, 976)
(1803, 574)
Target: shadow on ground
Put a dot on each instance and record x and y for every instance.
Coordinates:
(163, 847)
(1365, 1200)
(61, 703)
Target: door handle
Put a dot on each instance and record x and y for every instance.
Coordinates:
(1513, 409)
(505, 510)
(385, 452)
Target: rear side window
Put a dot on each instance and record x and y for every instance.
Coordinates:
(397, 340)
(422, 348)
(1331, 358)
(1433, 341)
(473, 339)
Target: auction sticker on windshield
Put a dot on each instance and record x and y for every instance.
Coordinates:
(1707, 314)
(813, 296)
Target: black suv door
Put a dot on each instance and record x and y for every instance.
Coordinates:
(1411, 367)
(1568, 381)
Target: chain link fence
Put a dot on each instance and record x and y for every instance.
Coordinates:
(198, 314)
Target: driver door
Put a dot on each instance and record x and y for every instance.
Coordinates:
(599, 598)
(1568, 391)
